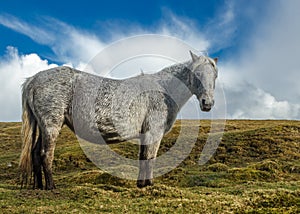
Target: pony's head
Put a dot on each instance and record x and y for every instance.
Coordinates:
(204, 74)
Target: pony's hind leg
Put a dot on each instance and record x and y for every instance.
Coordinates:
(148, 152)
(48, 147)
(37, 164)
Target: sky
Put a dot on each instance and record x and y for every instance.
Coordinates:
(257, 43)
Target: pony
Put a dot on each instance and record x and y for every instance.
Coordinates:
(143, 107)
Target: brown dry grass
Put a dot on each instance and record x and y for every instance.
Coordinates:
(256, 169)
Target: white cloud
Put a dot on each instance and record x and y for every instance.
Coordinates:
(35, 33)
(254, 103)
(246, 99)
(263, 81)
(68, 43)
(272, 62)
(73, 45)
(185, 29)
(14, 69)
(222, 28)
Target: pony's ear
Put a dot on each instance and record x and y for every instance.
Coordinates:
(216, 60)
(194, 56)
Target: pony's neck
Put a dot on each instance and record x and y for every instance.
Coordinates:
(181, 71)
(176, 79)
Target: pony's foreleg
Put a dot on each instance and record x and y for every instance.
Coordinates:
(48, 155)
(37, 164)
(148, 152)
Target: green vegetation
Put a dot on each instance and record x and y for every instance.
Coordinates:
(256, 169)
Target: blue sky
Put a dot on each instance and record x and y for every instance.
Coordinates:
(251, 38)
(98, 16)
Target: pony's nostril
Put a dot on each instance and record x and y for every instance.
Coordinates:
(203, 101)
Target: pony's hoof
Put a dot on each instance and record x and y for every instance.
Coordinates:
(149, 182)
(51, 187)
(38, 187)
(140, 183)
(144, 183)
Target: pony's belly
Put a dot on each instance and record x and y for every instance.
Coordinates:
(114, 133)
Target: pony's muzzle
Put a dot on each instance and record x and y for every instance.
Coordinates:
(206, 105)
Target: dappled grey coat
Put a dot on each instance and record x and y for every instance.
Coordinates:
(143, 107)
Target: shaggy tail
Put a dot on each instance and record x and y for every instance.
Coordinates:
(29, 126)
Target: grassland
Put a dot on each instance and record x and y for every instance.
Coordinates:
(256, 169)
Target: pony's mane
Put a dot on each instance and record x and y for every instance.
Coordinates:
(204, 56)
(175, 68)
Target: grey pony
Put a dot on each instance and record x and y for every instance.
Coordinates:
(143, 107)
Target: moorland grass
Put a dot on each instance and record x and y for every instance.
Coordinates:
(256, 169)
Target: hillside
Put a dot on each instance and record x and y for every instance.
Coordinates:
(256, 169)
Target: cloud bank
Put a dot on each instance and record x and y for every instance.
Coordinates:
(260, 82)
(263, 81)
(14, 68)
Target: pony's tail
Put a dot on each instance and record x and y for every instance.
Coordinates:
(29, 127)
